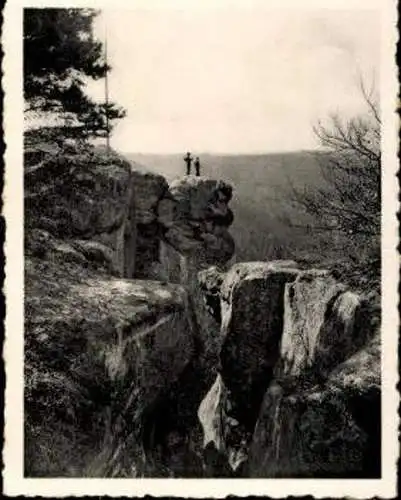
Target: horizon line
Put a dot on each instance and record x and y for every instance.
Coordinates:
(221, 153)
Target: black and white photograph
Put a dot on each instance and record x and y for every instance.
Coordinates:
(206, 238)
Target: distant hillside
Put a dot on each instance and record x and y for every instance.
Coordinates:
(261, 203)
(267, 167)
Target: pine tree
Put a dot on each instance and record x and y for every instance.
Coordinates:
(60, 52)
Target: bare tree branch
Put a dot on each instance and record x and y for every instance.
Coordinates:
(349, 200)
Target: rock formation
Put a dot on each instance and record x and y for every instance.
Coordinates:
(99, 352)
(99, 343)
(252, 312)
(148, 353)
(81, 196)
(288, 343)
(149, 190)
(330, 429)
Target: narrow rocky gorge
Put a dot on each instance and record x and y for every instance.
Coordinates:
(149, 353)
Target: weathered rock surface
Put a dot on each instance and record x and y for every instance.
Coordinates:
(280, 365)
(252, 311)
(309, 301)
(288, 396)
(331, 430)
(81, 194)
(200, 219)
(191, 216)
(85, 194)
(148, 189)
(40, 243)
(210, 281)
(103, 346)
(252, 296)
(324, 324)
(99, 352)
(195, 218)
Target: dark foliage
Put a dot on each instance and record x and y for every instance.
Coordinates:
(60, 51)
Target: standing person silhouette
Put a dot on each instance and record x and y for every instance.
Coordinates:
(188, 160)
(197, 166)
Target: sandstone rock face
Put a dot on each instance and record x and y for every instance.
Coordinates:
(200, 219)
(323, 325)
(80, 195)
(332, 430)
(99, 352)
(252, 310)
(183, 269)
(195, 217)
(281, 366)
(114, 351)
(306, 301)
(252, 296)
(148, 190)
(86, 195)
(210, 281)
(291, 397)
(40, 243)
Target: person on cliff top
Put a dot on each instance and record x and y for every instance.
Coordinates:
(188, 160)
(197, 166)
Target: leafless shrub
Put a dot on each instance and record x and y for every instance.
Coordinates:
(347, 204)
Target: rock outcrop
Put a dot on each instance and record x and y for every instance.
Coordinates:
(199, 219)
(327, 430)
(252, 312)
(85, 194)
(148, 353)
(108, 354)
(81, 196)
(100, 351)
(322, 324)
(288, 343)
(195, 218)
(149, 189)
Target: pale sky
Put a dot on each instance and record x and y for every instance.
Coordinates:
(234, 80)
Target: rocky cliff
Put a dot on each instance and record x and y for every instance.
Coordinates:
(148, 353)
(298, 388)
(114, 333)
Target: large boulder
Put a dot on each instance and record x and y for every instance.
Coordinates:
(252, 303)
(99, 352)
(325, 431)
(81, 193)
(324, 324)
(86, 194)
(148, 189)
(308, 304)
(252, 312)
(183, 269)
(291, 397)
(196, 219)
